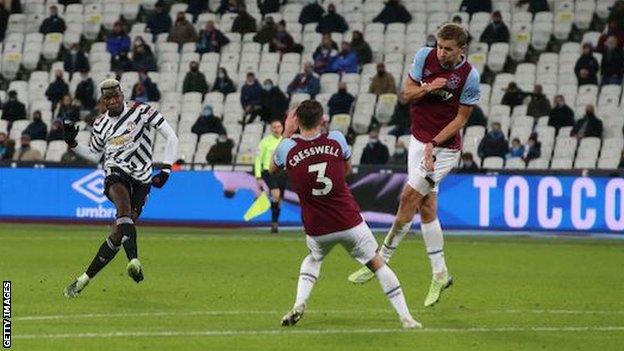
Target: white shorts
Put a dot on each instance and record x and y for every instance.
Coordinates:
(358, 241)
(445, 160)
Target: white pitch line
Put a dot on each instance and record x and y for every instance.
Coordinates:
(269, 312)
(282, 332)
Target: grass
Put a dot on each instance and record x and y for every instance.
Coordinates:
(227, 290)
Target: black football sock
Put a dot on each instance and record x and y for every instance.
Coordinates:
(105, 254)
(275, 211)
(127, 230)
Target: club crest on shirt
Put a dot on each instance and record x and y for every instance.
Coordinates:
(131, 126)
(453, 81)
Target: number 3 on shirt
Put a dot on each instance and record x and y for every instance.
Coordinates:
(319, 168)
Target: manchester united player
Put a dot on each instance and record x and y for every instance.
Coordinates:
(316, 164)
(443, 88)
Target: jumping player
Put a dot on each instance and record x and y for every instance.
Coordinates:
(316, 164)
(122, 134)
(443, 88)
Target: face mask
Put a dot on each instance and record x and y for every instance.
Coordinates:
(194, 68)
(400, 151)
(222, 139)
(381, 73)
(268, 87)
(37, 119)
(342, 91)
(221, 75)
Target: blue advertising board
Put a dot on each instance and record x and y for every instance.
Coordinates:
(496, 202)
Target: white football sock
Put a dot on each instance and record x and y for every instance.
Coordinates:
(308, 274)
(393, 239)
(432, 235)
(391, 286)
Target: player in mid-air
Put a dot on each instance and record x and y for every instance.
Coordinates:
(442, 88)
(316, 164)
(123, 135)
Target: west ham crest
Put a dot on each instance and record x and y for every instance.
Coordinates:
(453, 81)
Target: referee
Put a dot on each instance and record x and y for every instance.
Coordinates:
(275, 182)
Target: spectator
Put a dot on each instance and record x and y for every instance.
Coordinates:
(67, 110)
(207, 123)
(85, 91)
(57, 89)
(611, 29)
(361, 47)
(6, 152)
(75, 60)
(612, 65)
(159, 22)
(617, 14)
(324, 53)
(150, 89)
(283, 42)
(588, 126)
(194, 80)
(341, 101)
(586, 68)
(13, 109)
(121, 63)
(468, 164)
(345, 62)
(4, 22)
(273, 104)
(332, 22)
(620, 165)
(311, 13)
(472, 6)
(375, 152)
(539, 104)
(230, 6)
(223, 83)
(513, 96)
(561, 114)
(196, 7)
(251, 95)
(268, 6)
(37, 130)
(496, 31)
(458, 20)
(306, 82)
(56, 130)
(516, 150)
(383, 82)
(139, 93)
(400, 154)
(70, 157)
(400, 118)
(52, 24)
(142, 56)
(25, 152)
(182, 31)
(533, 148)
(118, 41)
(267, 32)
(393, 12)
(534, 5)
(431, 41)
(211, 39)
(493, 143)
(477, 117)
(244, 22)
(221, 152)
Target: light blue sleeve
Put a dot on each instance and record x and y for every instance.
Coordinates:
(340, 138)
(419, 63)
(279, 158)
(471, 93)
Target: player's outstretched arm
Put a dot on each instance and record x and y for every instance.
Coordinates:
(92, 153)
(171, 150)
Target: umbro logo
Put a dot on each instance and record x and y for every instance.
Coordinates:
(92, 186)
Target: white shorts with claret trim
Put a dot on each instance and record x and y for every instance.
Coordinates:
(358, 241)
(417, 176)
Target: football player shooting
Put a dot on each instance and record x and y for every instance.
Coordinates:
(123, 135)
(442, 87)
(316, 164)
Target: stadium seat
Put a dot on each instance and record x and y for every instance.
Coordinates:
(515, 163)
(385, 107)
(493, 162)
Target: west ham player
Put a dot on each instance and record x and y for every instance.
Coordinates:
(316, 164)
(123, 135)
(443, 88)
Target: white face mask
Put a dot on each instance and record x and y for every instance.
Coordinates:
(222, 139)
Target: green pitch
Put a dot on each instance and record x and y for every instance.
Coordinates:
(228, 289)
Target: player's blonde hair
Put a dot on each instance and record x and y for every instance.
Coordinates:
(453, 31)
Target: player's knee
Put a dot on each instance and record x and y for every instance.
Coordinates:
(427, 213)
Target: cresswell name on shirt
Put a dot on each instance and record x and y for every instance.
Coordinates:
(311, 151)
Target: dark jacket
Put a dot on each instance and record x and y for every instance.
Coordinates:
(400, 119)
(196, 7)
(225, 85)
(375, 153)
(56, 133)
(220, 153)
(495, 33)
(52, 24)
(211, 41)
(75, 62)
(332, 22)
(265, 34)
(304, 83)
(363, 51)
(340, 102)
(13, 110)
(535, 151)
(561, 117)
(588, 62)
(37, 130)
(251, 95)
(535, 5)
(612, 63)
(477, 117)
(4, 22)
(588, 126)
(472, 6)
(513, 98)
(311, 13)
(116, 44)
(85, 93)
(244, 24)
(493, 145)
(122, 62)
(538, 106)
(274, 104)
(56, 90)
(207, 124)
(68, 113)
(151, 90)
(392, 13)
(144, 61)
(398, 159)
(284, 39)
(159, 23)
(268, 6)
(195, 81)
